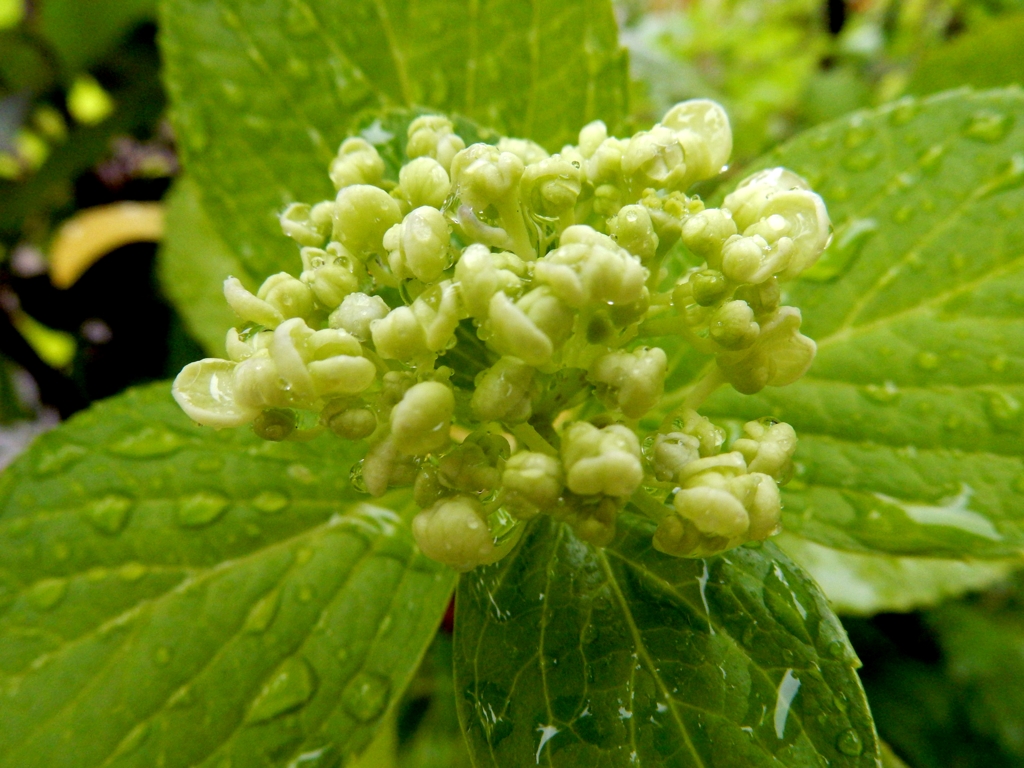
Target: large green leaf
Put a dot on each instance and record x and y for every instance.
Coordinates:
(263, 93)
(176, 596)
(861, 584)
(63, 24)
(911, 422)
(570, 656)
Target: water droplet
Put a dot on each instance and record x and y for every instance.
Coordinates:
(59, 460)
(857, 134)
(110, 514)
(202, 509)
(904, 111)
(355, 477)
(835, 649)
(1004, 411)
(849, 743)
(931, 159)
(290, 687)
(132, 571)
(262, 613)
(988, 126)
(863, 160)
(299, 19)
(365, 696)
(208, 464)
(162, 656)
(270, 502)
(927, 361)
(181, 698)
(148, 443)
(46, 594)
(232, 92)
(327, 756)
(954, 421)
(843, 251)
(887, 394)
(1011, 176)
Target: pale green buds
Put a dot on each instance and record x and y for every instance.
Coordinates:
(362, 214)
(534, 482)
(454, 532)
(521, 298)
(434, 136)
(357, 163)
(632, 381)
(299, 223)
(424, 181)
(205, 391)
(590, 268)
(421, 420)
(419, 246)
(633, 230)
(601, 461)
(503, 392)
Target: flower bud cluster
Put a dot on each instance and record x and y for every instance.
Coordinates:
(489, 320)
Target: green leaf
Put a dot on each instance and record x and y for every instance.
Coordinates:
(910, 420)
(986, 57)
(264, 93)
(177, 596)
(627, 657)
(192, 264)
(861, 584)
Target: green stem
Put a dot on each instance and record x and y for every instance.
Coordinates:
(650, 506)
(532, 439)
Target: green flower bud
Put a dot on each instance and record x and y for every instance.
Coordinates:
(385, 466)
(601, 461)
(763, 298)
(748, 200)
(702, 129)
(604, 166)
(632, 381)
(362, 214)
(289, 352)
(297, 222)
(468, 468)
(250, 308)
(713, 470)
(708, 286)
(502, 392)
(424, 181)
(768, 448)
(399, 336)
(709, 437)
(671, 453)
(532, 328)
(712, 511)
(780, 356)
(420, 246)
(480, 274)
(633, 230)
(595, 522)
(437, 311)
(588, 268)
(205, 390)
(427, 490)
(420, 422)
(733, 326)
(592, 136)
(551, 187)
(357, 163)
(274, 424)
(677, 537)
(330, 278)
(349, 421)
(434, 136)
(454, 532)
(759, 494)
(357, 312)
(607, 200)
(289, 296)
(705, 233)
(241, 348)
(533, 482)
(529, 152)
(258, 384)
(655, 159)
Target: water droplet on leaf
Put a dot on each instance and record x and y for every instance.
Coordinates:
(988, 126)
(1004, 411)
(110, 514)
(132, 571)
(849, 743)
(926, 361)
(46, 594)
(59, 460)
(365, 696)
(148, 443)
(270, 502)
(202, 509)
(887, 394)
(162, 656)
(843, 251)
(290, 687)
(208, 464)
(262, 613)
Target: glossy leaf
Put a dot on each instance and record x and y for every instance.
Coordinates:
(63, 24)
(264, 93)
(860, 584)
(193, 263)
(175, 596)
(569, 656)
(910, 420)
